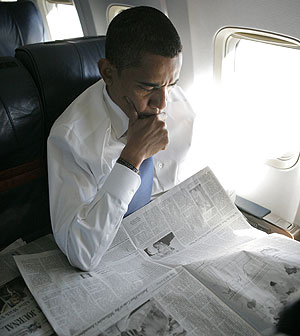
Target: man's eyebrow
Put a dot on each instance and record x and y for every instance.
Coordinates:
(155, 85)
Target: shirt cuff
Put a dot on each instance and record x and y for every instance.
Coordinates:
(122, 183)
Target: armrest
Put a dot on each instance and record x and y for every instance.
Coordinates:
(263, 219)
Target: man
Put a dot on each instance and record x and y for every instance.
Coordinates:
(115, 128)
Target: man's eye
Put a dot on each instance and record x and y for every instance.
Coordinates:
(148, 89)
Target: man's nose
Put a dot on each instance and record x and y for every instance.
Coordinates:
(159, 98)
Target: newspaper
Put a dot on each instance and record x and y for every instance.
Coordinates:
(19, 312)
(13, 246)
(188, 263)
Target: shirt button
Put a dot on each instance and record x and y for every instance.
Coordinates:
(160, 165)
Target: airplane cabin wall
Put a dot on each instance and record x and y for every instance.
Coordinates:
(276, 189)
(207, 17)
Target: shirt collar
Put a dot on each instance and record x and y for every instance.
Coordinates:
(119, 119)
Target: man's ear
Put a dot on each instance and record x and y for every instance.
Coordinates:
(106, 70)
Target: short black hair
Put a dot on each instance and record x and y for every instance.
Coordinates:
(140, 30)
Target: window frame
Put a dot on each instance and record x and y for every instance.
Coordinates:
(225, 42)
(113, 10)
(44, 7)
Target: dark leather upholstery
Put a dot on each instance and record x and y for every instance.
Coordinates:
(35, 89)
(20, 24)
(20, 115)
(23, 192)
(62, 70)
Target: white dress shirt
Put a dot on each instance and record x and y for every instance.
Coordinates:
(89, 192)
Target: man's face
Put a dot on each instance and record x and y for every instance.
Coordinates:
(145, 88)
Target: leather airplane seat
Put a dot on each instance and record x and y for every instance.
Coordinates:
(35, 88)
(24, 208)
(62, 70)
(20, 24)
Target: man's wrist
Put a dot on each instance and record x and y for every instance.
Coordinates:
(132, 157)
(127, 164)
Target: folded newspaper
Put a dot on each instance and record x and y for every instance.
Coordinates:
(188, 263)
(19, 312)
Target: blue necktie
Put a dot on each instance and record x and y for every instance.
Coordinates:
(143, 194)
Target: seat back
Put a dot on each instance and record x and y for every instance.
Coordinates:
(62, 70)
(35, 88)
(23, 183)
(20, 23)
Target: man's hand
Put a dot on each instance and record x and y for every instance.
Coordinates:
(146, 135)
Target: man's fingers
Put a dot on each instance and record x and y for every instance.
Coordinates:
(130, 111)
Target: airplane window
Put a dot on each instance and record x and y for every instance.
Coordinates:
(114, 10)
(63, 20)
(262, 70)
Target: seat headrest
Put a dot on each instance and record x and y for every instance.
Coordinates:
(20, 23)
(20, 115)
(62, 70)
